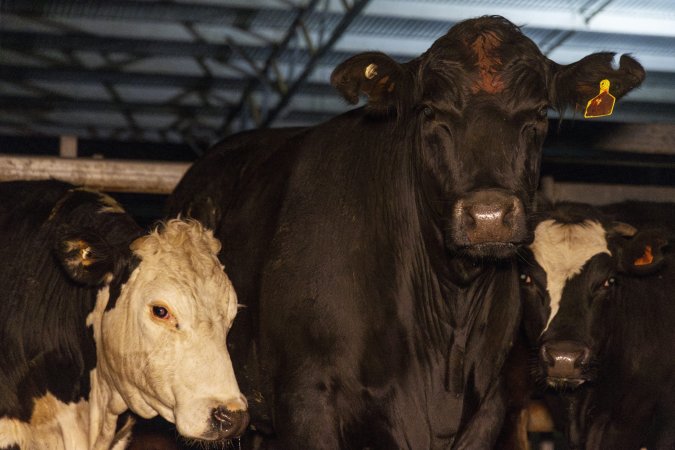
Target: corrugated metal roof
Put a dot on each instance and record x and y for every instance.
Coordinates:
(145, 59)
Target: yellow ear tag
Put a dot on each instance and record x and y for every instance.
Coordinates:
(646, 259)
(602, 104)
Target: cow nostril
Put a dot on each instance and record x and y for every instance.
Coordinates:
(468, 218)
(220, 418)
(229, 423)
(546, 356)
(509, 215)
(583, 358)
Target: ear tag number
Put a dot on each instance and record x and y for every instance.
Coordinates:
(646, 259)
(602, 104)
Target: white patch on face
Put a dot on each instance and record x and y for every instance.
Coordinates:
(562, 250)
(54, 425)
(178, 366)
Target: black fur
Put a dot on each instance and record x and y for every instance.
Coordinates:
(45, 345)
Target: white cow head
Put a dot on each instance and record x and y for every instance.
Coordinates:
(160, 328)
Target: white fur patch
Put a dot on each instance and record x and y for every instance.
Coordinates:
(562, 250)
(54, 425)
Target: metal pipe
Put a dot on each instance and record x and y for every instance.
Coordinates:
(150, 177)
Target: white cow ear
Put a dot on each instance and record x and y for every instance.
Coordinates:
(86, 257)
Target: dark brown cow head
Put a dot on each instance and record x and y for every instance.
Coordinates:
(477, 101)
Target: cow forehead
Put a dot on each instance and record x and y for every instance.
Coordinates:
(562, 249)
(182, 255)
(491, 56)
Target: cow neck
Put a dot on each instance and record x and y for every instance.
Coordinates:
(454, 296)
(105, 402)
(466, 309)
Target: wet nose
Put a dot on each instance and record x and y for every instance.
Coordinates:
(565, 359)
(229, 423)
(490, 216)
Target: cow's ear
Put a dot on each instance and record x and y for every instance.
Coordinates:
(85, 256)
(642, 254)
(577, 83)
(374, 74)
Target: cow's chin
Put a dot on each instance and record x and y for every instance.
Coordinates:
(489, 250)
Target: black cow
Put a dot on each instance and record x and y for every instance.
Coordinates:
(98, 316)
(611, 329)
(373, 251)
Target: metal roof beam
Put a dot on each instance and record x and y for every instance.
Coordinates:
(32, 41)
(13, 73)
(128, 10)
(25, 103)
(87, 42)
(354, 10)
(264, 76)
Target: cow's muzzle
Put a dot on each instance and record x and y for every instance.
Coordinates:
(489, 222)
(565, 363)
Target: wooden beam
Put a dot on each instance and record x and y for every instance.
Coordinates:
(150, 177)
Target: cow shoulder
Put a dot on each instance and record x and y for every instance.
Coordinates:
(225, 176)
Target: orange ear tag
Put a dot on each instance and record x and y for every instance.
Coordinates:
(646, 259)
(602, 104)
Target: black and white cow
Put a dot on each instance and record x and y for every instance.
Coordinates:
(611, 329)
(374, 252)
(97, 317)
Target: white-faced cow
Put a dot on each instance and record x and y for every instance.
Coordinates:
(97, 317)
(373, 251)
(610, 331)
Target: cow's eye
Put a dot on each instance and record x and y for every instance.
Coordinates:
(160, 312)
(525, 279)
(428, 112)
(542, 112)
(609, 282)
